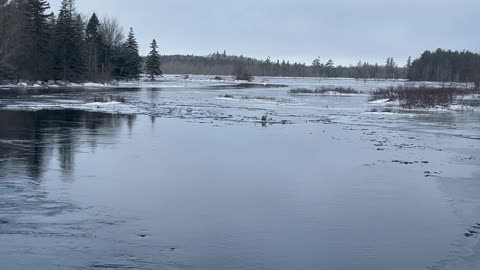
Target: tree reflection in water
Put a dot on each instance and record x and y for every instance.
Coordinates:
(28, 140)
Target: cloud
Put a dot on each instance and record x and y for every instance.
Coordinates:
(343, 30)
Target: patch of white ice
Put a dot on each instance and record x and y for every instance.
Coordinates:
(379, 101)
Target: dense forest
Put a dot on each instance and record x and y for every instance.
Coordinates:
(38, 45)
(446, 66)
(223, 64)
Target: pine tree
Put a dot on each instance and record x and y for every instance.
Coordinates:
(317, 67)
(153, 62)
(329, 66)
(133, 60)
(70, 64)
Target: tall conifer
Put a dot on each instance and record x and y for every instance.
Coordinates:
(153, 62)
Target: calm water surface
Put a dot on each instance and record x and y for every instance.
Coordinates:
(90, 190)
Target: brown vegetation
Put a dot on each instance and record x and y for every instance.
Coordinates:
(421, 97)
(325, 90)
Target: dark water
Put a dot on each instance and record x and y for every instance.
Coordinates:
(186, 179)
(83, 190)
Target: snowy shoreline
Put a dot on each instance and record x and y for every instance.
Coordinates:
(181, 81)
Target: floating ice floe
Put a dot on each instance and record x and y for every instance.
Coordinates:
(380, 101)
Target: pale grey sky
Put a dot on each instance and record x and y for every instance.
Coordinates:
(297, 30)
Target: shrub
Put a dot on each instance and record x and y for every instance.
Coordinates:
(241, 73)
(422, 97)
(106, 99)
(389, 93)
(470, 102)
(244, 77)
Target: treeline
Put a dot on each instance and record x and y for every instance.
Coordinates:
(223, 64)
(446, 66)
(37, 45)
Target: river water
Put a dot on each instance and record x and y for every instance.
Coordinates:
(187, 177)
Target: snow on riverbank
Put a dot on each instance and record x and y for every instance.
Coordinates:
(179, 81)
(105, 107)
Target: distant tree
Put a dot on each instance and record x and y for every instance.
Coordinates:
(284, 68)
(391, 68)
(153, 62)
(267, 67)
(268, 61)
(241, 73)
(329, 68)
(317, 67)
(408, 66)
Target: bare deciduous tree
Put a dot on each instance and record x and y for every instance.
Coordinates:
(111, 32)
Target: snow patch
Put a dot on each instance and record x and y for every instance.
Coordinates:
(111, 103)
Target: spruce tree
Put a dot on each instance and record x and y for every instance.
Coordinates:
(153, 62)
(133, 61)
(8, 37)
(93, 47)
(34, 48)
(70, 64)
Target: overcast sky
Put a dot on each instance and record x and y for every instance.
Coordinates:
(297, 30)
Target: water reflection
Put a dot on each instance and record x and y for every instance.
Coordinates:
(29, 140)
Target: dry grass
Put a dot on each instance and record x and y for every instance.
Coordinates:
(325, 90)
(258, 97)
(266, 98)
